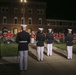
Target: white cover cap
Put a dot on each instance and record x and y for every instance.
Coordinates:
(50, 30)
(41, 29)
(69, 30)
(23, 25)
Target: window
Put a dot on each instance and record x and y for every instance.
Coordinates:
(52, 22)
(57, 23)
(4, 20)
(4, 9)
(15, 20)
(15, 10)
(60, 23)
(15, 30)
(30, 20)
(30, 11)
(40, 21)
(48, 23)
(5, 29)
(40, 11)
(64, 23)
(22, 20)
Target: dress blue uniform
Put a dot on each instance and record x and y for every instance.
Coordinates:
(69, 43)
(49, 40)
(23, 39)
(40, 38)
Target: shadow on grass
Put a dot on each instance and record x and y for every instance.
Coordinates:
(9, 69)
(59, 53)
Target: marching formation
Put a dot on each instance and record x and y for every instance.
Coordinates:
(23, 39)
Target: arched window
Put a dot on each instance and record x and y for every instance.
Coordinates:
(30, 20)
(15, 30)
(4, 20)
(4, 29)
(40, 21)
(15, 20)
(22, 20)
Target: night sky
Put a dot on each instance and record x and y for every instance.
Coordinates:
(60, 9)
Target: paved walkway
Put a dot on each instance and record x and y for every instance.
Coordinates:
(57, 64)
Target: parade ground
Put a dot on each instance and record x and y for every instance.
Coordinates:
(57, 64)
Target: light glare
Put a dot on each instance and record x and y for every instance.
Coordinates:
(23, 1)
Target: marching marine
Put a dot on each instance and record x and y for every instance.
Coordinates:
(23, 39)
(49, 40)
(69, 43)
(40, 38)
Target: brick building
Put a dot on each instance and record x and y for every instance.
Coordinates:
(12, 13)
(61, 25)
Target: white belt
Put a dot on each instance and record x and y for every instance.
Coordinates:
(22, 41)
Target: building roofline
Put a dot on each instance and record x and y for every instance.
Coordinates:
(59, 20)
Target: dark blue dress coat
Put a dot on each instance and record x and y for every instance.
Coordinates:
(23, 36)
(49, 38)
(40, 38)
(69, 39)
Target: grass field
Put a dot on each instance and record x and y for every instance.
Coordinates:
(63, 46)
(12, 49)
(9, 49)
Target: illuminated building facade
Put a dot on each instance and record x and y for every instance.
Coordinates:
(11, 17)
